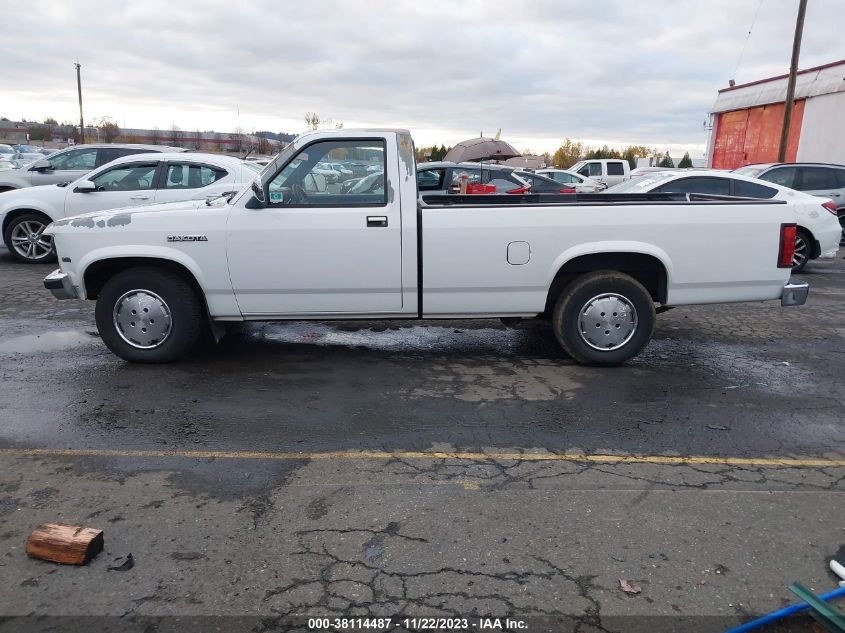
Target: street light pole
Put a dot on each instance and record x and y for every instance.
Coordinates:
(790, 86)
(79, 90)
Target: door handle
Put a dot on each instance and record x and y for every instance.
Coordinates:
(139, 197)
(376, 220)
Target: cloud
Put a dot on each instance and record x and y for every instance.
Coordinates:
(612, 71)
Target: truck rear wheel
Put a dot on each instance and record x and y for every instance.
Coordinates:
(604, 318)
(146, 315)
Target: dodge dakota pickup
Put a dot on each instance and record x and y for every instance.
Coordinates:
(294, 246)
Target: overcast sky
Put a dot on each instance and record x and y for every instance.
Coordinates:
(614, 71)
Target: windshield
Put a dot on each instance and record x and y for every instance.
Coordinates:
(640, 184)
(752, 171)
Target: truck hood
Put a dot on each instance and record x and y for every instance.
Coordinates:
(123, 215)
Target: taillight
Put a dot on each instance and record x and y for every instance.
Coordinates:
(520, 190)
(830, 205)
(567, 190)
(787, 245)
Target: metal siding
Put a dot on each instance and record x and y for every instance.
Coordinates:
(823, 133)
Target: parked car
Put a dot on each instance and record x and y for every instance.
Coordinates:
(47, 151)
(818, 179)
(138, 179)
(818, 229)
(543, 184)
(72, 163)
(6, 151)
(345, 173)
(582, 184)
(27, 149)
(274, 251)
(444, 177)
(6, 164)
(22, 159)
(610, 171)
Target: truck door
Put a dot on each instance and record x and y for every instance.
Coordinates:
(319, 247)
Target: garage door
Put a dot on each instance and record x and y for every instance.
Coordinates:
(753, 135)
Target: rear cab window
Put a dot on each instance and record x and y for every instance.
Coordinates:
(615, 168)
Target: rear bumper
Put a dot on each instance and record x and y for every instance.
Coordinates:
(795, 294)
(60, 285)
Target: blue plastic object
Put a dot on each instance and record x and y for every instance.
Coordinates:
(774, 616)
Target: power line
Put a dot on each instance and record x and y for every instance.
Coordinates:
(747, 37)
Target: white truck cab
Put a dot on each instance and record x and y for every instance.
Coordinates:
(610, 171)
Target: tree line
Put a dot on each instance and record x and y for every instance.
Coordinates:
(570, 152)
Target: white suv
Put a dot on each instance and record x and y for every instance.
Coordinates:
(72, 163)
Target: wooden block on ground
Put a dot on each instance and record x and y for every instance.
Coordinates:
(66, 544)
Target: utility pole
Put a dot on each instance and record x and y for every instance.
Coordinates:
(79, 90)
(790, 86)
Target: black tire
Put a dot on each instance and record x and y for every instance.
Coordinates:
(31, 220)
(566, 318)
(805, 243)
(184, 306)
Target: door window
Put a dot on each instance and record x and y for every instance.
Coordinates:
(815, 178)
(615, 169)
(713, 186)
(108, 154)
(191, 176)
(430, 179)
(783, 176)
(75, 159)
(305, 182)
(753, 190)
(131, 177)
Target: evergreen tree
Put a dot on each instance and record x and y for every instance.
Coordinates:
(686, 162)
(666, 161)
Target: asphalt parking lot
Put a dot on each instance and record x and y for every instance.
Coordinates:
(435, 468)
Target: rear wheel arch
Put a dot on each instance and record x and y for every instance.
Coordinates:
(815, 249)
(646, 269)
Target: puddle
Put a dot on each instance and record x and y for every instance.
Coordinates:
(47, 342)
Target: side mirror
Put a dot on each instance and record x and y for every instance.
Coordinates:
(85, 186)
(258, 190)
(41, 165)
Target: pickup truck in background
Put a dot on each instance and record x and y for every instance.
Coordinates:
(294, 246)
(608, 171)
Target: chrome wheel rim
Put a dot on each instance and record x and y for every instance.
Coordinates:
(801, 248)
(142, 319)
(29, 242)
(607, 321)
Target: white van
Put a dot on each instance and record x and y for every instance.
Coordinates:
(610, 171)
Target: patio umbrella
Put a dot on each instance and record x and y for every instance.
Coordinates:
(478, 149)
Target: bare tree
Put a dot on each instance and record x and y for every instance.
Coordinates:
(174, 134)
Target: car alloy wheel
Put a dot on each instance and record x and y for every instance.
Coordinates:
(802, 251)
(29, 242)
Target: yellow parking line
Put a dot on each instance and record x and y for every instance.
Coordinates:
(789, 462)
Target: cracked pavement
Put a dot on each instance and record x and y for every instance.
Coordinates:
(221, 535)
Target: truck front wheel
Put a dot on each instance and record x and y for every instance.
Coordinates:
(604, 318)
(147, 315)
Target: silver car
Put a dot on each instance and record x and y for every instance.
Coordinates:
(817, 179)
(71, 164)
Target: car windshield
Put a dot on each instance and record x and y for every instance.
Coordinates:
(752, 171)
(640, 184)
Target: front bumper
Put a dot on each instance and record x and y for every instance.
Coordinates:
(795, 294)
(60, 285)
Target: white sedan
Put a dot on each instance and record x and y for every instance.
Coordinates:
(818, 225)
(580, 183)
(137, 179)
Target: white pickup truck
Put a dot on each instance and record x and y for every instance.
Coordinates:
(293, 246)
